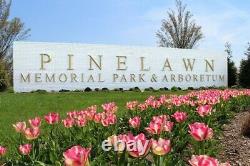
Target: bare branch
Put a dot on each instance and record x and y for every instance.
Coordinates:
(179, 30)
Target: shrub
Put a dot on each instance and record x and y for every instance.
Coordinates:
(174, 88)
(166, 89)
(221, 87)
(97, 89)
(116, 89)
(162, 89)
(78, 90)
(41, 91)
(105, 89)
(149, 89)
(202, 88)
(64, 90)
(135, 89)
(87, 89)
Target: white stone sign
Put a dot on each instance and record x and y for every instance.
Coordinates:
(57, 66)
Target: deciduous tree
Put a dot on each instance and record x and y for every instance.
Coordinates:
(179, 30)
(10, 31)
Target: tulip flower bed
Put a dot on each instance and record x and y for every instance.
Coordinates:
(166, 130)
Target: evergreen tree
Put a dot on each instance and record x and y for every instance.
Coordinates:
(231, 69)
(244, 76)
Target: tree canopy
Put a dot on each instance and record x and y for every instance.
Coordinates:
(244, 76)
(179, 30)
(10, 30)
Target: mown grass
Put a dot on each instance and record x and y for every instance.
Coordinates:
(22, 106)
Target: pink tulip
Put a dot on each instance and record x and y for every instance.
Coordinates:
(36, 122)
(161, 147)
(25, 149)
(160, 119)
(159, 124)
(68, 122)
(92, 109)
(135, 122)
(142, 145)
(204, 110)
(168, 126)
(110, 107)
(19, 126)
(163, 99)
(154, 128)
(2, 151)
(52, 118)
(72, 114)
(110, 119)
(180, 116)
(142, 107)
(132, 105)
(76, 156)
(89, 113)
(155, 104)
(176, 101)
(204, 160)
(98, 117)
(32, 133)
(200, 131)
(81, 122)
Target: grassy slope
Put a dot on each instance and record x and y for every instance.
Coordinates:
(20, 107)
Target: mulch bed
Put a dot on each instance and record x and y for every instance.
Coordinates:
(236, 147)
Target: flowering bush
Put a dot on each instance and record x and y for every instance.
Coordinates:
(165, 130)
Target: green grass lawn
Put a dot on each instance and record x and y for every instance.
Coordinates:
(21, 106)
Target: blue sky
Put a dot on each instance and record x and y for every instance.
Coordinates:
(132, 22)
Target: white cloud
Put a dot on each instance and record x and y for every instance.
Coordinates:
(230, 24)
(221, 23)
